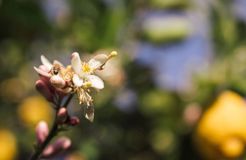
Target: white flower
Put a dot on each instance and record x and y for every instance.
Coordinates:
(84, 79)
(84, 72)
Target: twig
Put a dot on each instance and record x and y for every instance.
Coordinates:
(53, 132)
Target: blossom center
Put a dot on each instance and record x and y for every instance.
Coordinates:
(86, 68)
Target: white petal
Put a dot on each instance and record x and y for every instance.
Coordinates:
(94, 64)
(46, 62)
(77, 81)
(42, 72)
(101, 58)
(76, 63)
(96, 82)
(98, 60)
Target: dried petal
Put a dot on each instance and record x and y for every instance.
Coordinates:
(89, 113)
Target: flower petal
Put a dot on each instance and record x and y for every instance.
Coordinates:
(96, 82)
(76, 63)
(42, 72)
(46, 62)
(94, 64)
(77, 81)
(98, 60)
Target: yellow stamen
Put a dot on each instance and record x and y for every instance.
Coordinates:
(87, 84)
(86, 68)
(113, 53)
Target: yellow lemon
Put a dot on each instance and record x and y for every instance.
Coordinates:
(8, 148)
(34, 109)
(221, 132)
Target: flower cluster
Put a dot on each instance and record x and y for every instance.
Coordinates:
(57, 80)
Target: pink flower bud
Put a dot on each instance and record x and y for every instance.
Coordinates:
(62, 115)
(42, 131)
(73, 121)
(44, 89)
(61, 144)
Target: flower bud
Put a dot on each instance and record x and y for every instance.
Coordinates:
(58, 146)
(44, 89)
(73, 121)
(42, 131)
(62, 115)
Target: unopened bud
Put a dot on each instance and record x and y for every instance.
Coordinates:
(62, 115)
(73, 121)
(42, 131)
(44, 89)
(58, 146)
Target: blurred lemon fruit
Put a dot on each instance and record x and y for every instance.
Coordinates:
(34, 109)
(8, 148)
(221, 132)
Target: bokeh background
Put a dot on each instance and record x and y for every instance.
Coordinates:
(175, 92)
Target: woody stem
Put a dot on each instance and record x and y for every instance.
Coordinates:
(53, 132)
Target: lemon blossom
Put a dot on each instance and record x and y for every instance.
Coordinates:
(84, 78)
(79, 77)
(84, 71)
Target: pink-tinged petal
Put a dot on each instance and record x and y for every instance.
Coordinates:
(77, 81)
(57, 81)
(42, 72)
(44, 68)
(76, 63)
(44, 89)
(42, 131)
(96, 82)
(46, 62)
